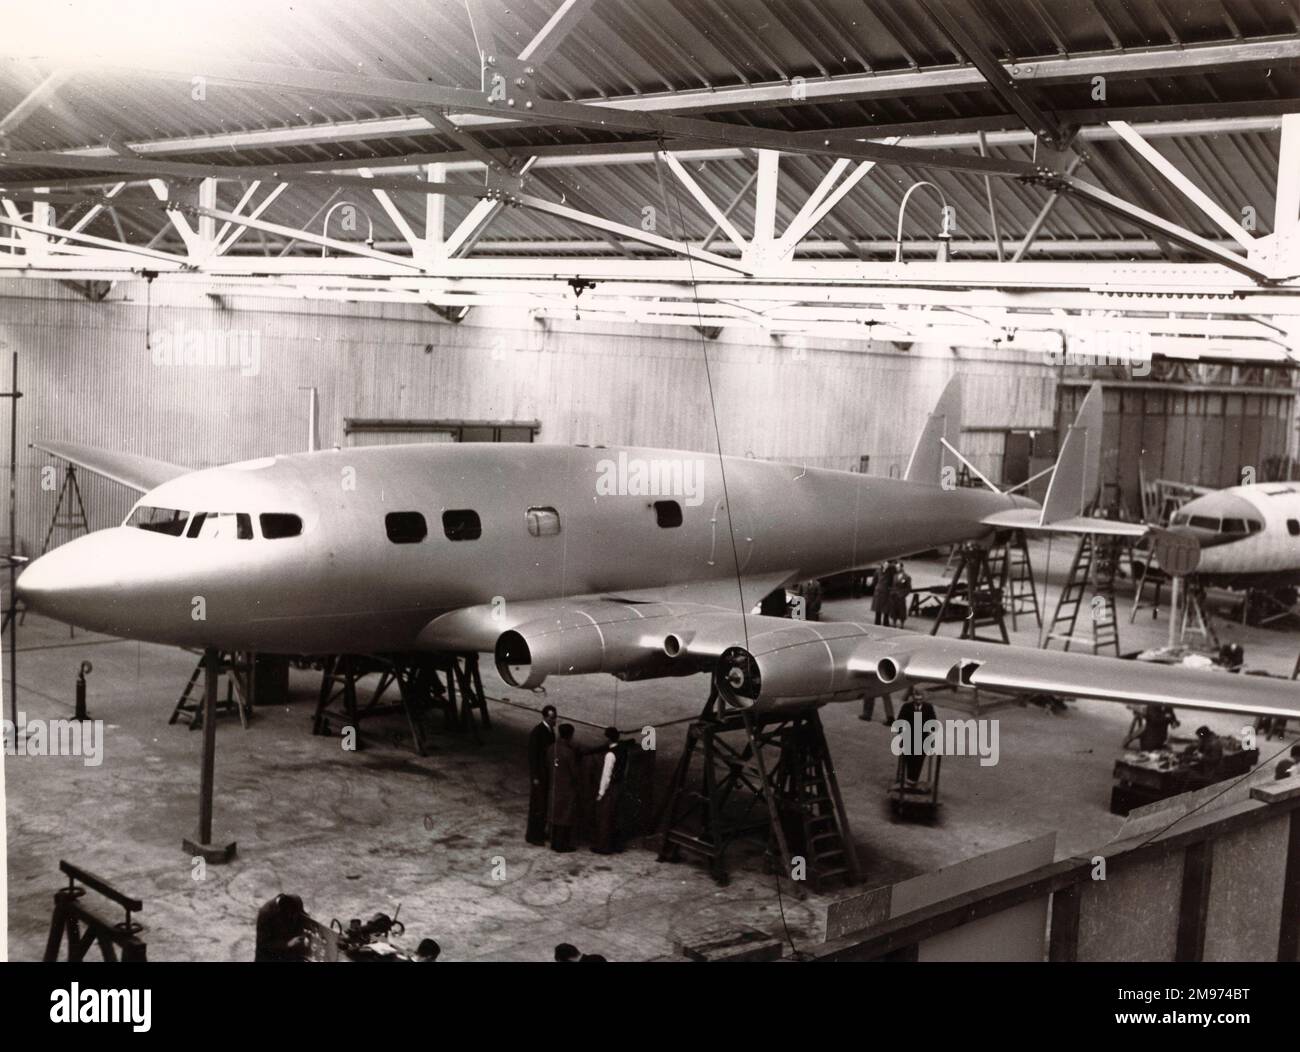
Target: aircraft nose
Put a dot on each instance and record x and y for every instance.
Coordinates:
(77, 579)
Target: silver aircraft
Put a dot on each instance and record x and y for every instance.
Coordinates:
(575, 560)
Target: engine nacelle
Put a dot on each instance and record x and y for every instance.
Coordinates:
(783, 674)
(574, 643)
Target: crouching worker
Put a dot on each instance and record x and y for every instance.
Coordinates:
(281, 930)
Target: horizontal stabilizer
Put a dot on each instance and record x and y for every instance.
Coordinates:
(1030, 519)
(135, 472)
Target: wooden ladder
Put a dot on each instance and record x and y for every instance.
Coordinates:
(1019, 591)
(1091, 564)
(239, 678)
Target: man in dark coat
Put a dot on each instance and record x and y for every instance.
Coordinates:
(880, 595)
(564, 789)
(899, 590)
(613, 766)
(914, 714)
(539, 775)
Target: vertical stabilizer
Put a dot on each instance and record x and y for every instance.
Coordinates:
(1078, 469)
(929, 457)
(313, 420)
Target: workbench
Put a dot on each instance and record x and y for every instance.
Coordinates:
(1144, 777)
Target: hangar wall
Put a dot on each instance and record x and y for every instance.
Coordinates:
(88, 377)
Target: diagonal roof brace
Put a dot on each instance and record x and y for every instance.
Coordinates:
(968, 45)
(1157, 225)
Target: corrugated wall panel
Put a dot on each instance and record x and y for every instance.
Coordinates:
(88, 377)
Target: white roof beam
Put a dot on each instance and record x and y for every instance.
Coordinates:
(31, 101)
(398, 220)
(822, 201)
(719, 217)
(551, 35)
(224, 247)
(1286, 214)
(1190, 190)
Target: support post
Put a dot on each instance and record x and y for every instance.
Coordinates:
(204, 846)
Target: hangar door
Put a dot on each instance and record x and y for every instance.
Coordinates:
(1198, 434)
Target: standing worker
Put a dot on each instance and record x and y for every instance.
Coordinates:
(539, 775)
(1154, 733)
(564, 789)
(899, 591)
(612, 771)
(881, 593)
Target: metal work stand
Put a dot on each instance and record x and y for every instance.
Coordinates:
(202, 844)
(916, 799)
(240, 673)
(983, 593)
(76, 518)
(426, 683)
(70, 915)
(757, 773)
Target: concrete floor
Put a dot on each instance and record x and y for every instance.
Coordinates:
(356, 833)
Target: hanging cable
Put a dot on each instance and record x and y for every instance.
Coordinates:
(726, 497)
(713, 404)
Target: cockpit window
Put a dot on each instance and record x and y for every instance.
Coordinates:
(279, 524)
(221, 526)
(1255, 525)
(159, 520)
(1204, 522)
(1234, 526)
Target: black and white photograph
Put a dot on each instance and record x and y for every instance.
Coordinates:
(648, 481)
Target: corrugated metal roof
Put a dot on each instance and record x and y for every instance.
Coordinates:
(653, 47)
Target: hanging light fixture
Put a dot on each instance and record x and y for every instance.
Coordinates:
(948, 216)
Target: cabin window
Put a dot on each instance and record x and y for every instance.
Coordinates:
(159, 520)
(543, 522)
(462, 525)
(221, 526)
(1204, 522)
(405, 527)
(668, 513)
(1293, 527)
(277, 524)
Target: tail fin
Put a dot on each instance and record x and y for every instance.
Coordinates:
(1074, 486)
(1078, 469)
(313, 420)
(929, 455)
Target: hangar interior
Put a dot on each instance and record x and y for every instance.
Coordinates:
(765, 229)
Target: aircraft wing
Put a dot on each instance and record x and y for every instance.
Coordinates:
(1029, 519)
(135, 472)
(774, 663)
(812, 662)
(625, 634)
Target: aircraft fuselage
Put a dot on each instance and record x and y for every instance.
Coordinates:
(393, 536)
